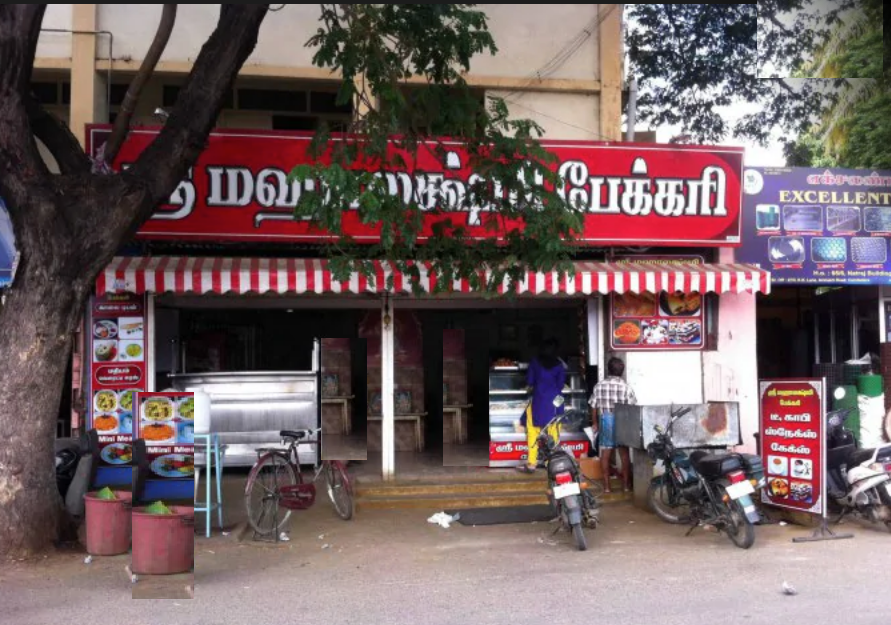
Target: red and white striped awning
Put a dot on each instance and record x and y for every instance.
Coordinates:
(181, 275)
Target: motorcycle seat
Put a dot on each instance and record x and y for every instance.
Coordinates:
(859, 456)
(715, 465)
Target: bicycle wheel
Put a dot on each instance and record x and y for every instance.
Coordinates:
(262, 494)
(340, 489)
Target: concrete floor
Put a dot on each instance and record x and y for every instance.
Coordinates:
(339, 447)
(394, 568)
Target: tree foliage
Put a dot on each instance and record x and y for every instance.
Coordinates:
(692, 60)
(854, 129)
(379, 47)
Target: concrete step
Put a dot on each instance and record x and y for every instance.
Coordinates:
(452, 496)
(437, 503)
(412, 489)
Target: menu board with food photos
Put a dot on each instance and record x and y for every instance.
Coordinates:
(660, 322)
(166, 422)
(793, 444)
(117, 327)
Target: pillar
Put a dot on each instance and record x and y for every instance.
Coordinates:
(388, 391)
(611, 78)
(88, 88)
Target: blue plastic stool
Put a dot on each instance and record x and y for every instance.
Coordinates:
(213, 458)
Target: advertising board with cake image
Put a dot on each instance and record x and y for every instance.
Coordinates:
(664, 321)
(793, 445)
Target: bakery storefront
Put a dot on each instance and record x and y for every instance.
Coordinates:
(230, 283)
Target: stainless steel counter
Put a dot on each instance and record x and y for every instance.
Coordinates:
(249, 409)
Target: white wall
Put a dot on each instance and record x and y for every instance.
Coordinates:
(731, 373)
(662, 378)
(282, 37)
(566, 116)
(530, 36)
(282, 34)
(55, 45)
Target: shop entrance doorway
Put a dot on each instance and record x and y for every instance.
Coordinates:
(271, 341)
(460, 340)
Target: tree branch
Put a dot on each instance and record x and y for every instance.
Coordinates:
(162, 165)
(21, 166)
(58, 139)
(128, 107)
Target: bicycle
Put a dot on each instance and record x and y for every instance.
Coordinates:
(287, 488)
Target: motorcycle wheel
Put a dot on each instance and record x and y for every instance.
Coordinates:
(657, 496)
(578, 534)
(740, 530)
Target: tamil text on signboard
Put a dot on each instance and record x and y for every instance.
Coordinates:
(238, 190)
(820, 227)
(793, 444)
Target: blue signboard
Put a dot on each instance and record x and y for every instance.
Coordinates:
(817, 226)
(7, 248)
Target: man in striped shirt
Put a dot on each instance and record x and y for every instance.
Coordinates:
(609, 392)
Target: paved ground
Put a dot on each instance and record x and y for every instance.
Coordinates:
(394, 568)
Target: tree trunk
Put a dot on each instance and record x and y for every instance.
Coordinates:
(67, 229)
(36, 330)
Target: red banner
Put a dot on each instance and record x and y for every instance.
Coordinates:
(632, 194)
(118, 370)
(793, 444)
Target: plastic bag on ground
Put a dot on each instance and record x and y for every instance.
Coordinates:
(442, 519)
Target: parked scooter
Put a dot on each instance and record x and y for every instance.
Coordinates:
(74, 468)
(857, 480)
(705, 490)
(569, 495)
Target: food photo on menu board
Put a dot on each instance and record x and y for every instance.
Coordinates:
(664, 321)
(167, 424)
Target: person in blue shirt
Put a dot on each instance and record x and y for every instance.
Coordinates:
(546, 378)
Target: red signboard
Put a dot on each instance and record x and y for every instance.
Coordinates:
(118, 336)
(631, 194)
(793, 444)
(166, 421)
(507, 451)
(658, 321)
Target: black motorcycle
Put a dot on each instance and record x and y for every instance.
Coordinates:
(568, 493)
(705, 490)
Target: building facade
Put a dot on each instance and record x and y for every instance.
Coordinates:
(569, 81)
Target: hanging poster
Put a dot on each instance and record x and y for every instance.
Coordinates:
(166, 422)
(117, 326)
(658, 322)
(793, 444)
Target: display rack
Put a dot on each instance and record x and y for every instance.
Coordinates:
(508, 399)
